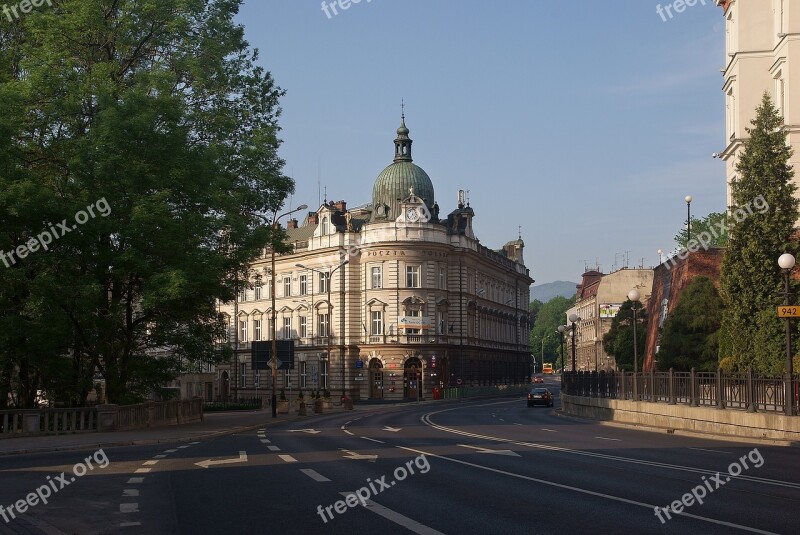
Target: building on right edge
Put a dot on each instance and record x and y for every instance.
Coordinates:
(762, 44)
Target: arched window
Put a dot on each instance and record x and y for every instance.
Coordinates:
(324, 226)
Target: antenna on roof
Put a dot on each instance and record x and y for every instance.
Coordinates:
(402, 108)
(520, 231)
(318, 183)
(326, 194)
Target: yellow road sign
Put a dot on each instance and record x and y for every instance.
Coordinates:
(789, 312)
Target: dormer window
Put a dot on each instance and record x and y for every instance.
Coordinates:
(324, 226)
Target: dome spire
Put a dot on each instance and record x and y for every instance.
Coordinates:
(402, 144)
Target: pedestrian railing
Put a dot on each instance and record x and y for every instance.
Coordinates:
(740, 391)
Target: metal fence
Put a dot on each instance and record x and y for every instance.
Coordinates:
(742, 391)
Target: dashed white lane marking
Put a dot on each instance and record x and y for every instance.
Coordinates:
(348, 432)
(135, 480)
(374, 440)
(159, 456)
(606, 438)
(502, 419)
(393, 516)
(129, 524)
(265, 441)
(313, 474)
(712, 451)
(129, 508)
(170, 451)
(288, 458)
(130, 493)
(193, 443)
(273, 448)
(150, 463)
(515, 423)
(183, 447)
(142, 470)
(549, 430)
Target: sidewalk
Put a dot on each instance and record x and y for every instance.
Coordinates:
(214, 424)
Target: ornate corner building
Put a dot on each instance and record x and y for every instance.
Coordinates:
(414, 301)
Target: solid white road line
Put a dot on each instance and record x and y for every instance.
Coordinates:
(348, 432)
(606, 438)
(586, 491)
(288, 458)
(313, 474)
(712, 451)
(426, 419)
(408, 523)
(374, 440)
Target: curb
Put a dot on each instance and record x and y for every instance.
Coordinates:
(681, 432)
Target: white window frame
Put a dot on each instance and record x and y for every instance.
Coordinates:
(413, 275)
(376, 322)
(287, 328)
(257, 330)
(376, 276)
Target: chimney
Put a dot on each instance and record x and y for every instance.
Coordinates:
(291, 224)
(313, 218)
(341, 206)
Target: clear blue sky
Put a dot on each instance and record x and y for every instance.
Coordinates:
(585, 122)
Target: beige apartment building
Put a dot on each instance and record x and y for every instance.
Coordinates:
(762, 43)
(597, 302)
(417, 296)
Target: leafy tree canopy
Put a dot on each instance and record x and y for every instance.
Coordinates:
(549, 316)
(618, 341)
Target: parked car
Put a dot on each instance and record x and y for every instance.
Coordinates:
(538, 379)
(540, 396)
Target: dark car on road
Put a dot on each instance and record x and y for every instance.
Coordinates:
(538, 379)
(540, 396)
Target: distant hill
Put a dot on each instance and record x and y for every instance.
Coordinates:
(545, 292)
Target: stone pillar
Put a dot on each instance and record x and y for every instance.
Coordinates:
(107, 417)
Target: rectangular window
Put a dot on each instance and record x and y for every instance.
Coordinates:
(271, 325)
(412, 276)
(256, 330)
(377, 323)
(243, 330)
(242, 296)
(302, 375)
(377, 277)
(440, 321)
(258, 289)
(303, 327)
(442, 279)
(287, 378)
(323, 374)
(287, 328)
(303, 284)
(322, 328)
(287, 286)
(324, 281)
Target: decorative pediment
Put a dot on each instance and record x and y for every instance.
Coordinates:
(413, 300)
(376, 303)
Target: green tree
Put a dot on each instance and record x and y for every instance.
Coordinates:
(158, 109)
(690, 336)
(549, 316)
(710, 231)
(618, 341)
(751, 281)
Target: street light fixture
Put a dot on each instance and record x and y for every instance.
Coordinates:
(688, 200)
(573, 318)
(786, 263)
(275, 219)
(329, 277)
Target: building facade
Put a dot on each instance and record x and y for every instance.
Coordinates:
(763, 55)
(415, 301)
(598, 300)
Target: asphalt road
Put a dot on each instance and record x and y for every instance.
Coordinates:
(484, 466)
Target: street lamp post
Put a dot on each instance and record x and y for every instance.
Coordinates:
(786, 263)
(560, 331)
(634, 296)
(660, 256)
(275, 219)
(329, 277)
(573, 318)
(688, 200)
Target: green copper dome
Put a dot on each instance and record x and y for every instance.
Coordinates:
(399, 180)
